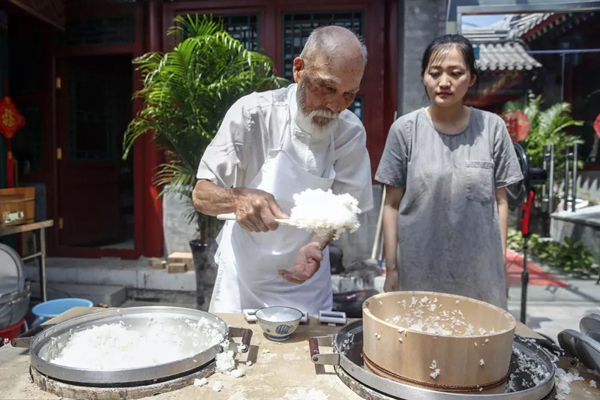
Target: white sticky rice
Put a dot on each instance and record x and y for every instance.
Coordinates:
(117, 346)
(322, 212)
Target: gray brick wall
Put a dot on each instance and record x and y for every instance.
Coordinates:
(421, 22)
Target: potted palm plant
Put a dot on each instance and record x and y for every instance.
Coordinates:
(186, 94)
(548, 126)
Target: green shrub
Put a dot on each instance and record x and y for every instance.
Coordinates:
(548, 126)
(572, 256)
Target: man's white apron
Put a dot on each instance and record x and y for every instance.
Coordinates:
(248, 261)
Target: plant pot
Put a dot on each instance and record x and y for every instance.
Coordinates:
(203, 253)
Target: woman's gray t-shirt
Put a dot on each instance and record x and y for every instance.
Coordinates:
(448, 231)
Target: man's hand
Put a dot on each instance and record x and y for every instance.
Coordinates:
(307, 264)
(256, 210)
(391, 280)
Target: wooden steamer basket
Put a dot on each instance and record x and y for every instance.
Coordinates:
(470, 361)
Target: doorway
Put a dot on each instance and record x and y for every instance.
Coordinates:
(95, 185)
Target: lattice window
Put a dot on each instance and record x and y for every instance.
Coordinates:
(244, 28)
(107, 31)
(298, 26)
(358, 107)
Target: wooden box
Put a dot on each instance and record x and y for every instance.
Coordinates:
(183, 258)
(17, 206)
(438, 341)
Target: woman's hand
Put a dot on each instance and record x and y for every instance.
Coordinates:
(391, 281)
(393, 197)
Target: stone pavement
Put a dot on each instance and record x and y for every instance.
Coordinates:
(551, 309)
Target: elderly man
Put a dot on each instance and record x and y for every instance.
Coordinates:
(270, 146)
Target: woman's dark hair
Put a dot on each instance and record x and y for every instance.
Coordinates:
(446, 41)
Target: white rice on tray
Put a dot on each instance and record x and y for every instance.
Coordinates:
(117, 346)
(322, 212)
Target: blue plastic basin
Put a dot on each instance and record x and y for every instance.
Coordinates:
(52, 308)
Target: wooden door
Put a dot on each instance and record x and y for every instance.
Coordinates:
(94, 108)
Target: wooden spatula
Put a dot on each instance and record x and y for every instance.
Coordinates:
(231, 217)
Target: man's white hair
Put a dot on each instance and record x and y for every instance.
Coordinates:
(326, 37)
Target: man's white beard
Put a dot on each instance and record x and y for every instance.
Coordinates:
(306, 120)
(316, 130)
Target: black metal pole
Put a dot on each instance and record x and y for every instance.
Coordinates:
(524, 280)
(566, 182)
(574, 174)
(551, 183)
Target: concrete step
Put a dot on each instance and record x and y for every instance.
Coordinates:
(111, 295)
(135, 274)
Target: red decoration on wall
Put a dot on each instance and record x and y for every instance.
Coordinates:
(517, 124)
(10, 122)
(597, 126)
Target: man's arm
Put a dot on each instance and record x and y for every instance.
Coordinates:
(255, 210)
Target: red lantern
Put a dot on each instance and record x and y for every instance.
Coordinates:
(517, 124)
(10, 122)
(597, 126)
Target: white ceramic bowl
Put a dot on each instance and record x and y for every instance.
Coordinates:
(278, 322)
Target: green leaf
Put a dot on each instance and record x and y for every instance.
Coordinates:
(186, 93)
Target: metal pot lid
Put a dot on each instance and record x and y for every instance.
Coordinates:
(47, 344)
(348, 343)
(590, 323)
(12, 273)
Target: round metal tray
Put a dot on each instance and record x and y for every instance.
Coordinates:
(46, 345)
(347, 346)
(12, 273)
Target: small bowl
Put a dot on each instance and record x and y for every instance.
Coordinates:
(278, 322)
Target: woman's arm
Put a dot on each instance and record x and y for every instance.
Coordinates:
(393, 197)
(502, 202)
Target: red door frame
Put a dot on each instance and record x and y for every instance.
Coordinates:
(151, 21)
(148, 235)
(381, 33)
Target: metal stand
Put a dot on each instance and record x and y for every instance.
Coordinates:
(40, 255)
(573, 180)
(547, 195)
(524, 279)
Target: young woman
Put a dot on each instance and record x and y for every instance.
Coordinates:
(445, 168)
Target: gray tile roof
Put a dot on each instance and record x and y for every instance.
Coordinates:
(526, 22)
(500, 47)
(507, 55)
